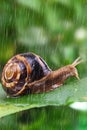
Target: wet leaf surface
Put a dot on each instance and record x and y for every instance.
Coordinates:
(66, 94)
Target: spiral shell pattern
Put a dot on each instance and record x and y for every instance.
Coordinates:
(21, 70)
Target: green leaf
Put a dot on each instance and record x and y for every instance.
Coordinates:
(64, 95)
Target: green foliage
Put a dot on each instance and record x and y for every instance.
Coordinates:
(42, 118)
(57, 31)
(62, 96)
(38, 25)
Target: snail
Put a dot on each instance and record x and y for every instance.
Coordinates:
(28, 73)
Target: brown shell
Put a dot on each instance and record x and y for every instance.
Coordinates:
(21, 70)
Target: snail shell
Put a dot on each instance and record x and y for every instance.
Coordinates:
(21, 70)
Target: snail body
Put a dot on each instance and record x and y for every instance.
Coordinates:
(28, 73)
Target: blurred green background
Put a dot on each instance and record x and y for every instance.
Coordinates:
(57, 31)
